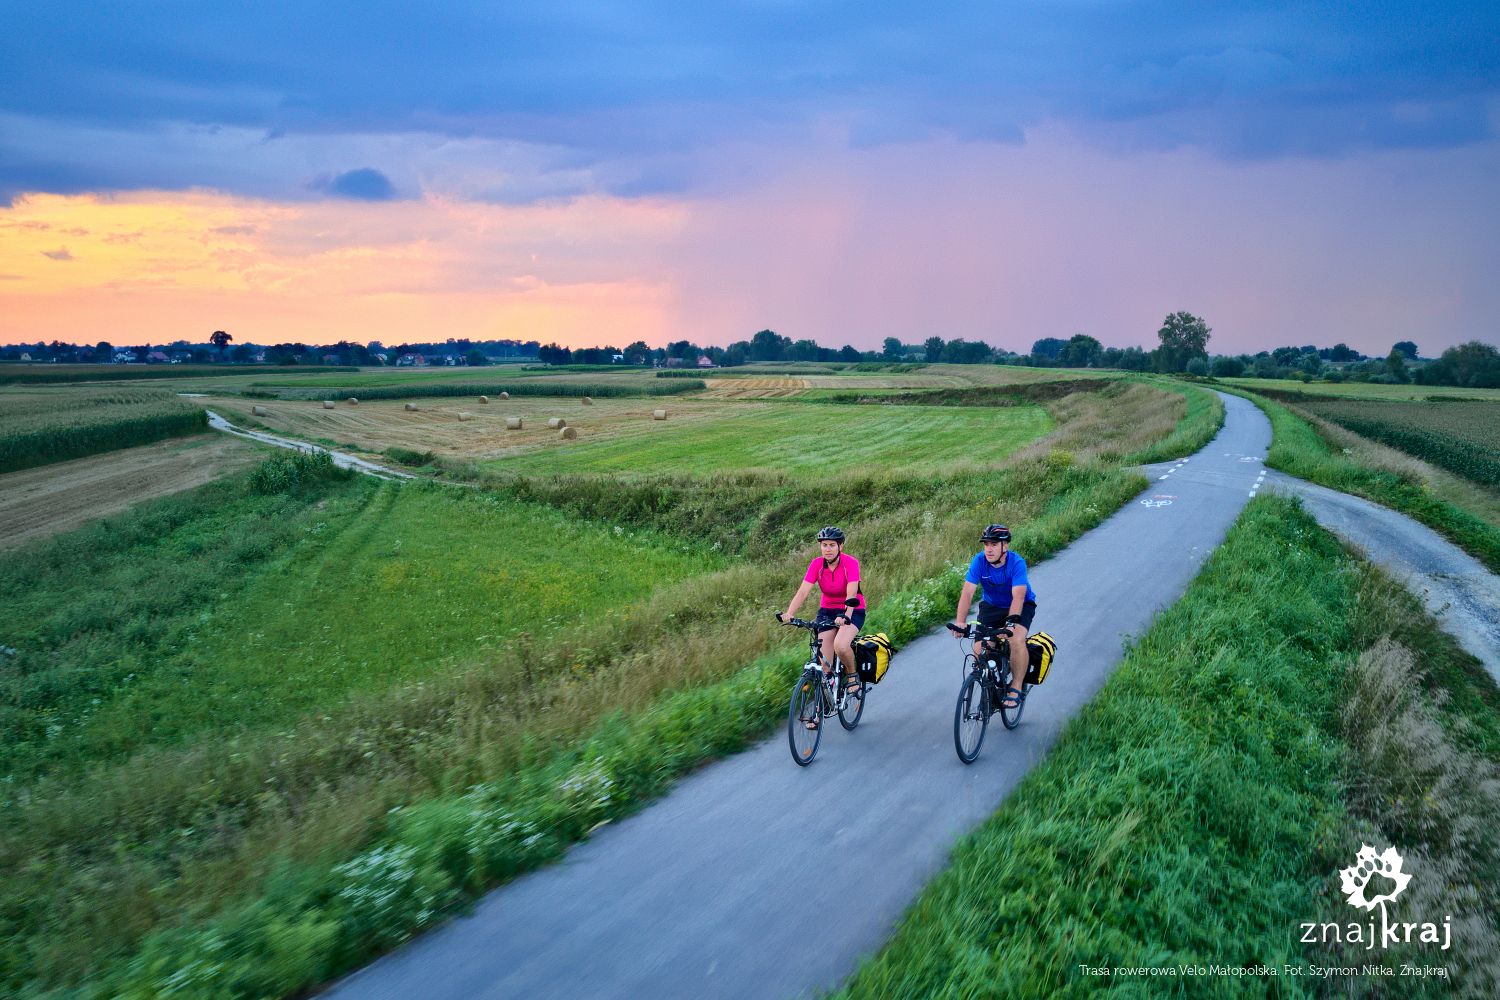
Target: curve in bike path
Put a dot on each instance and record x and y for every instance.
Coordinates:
(757, 878)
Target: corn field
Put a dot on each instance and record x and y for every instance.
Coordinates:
(1462, 436)
(40, 426)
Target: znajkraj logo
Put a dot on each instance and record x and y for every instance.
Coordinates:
(1375, 880)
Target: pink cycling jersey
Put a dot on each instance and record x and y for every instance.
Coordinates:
(833, 584)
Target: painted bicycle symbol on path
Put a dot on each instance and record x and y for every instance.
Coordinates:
(1159, 500)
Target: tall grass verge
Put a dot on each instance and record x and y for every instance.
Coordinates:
(1299, 449)
(1139, 841)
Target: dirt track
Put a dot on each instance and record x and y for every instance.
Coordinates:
(35, 503)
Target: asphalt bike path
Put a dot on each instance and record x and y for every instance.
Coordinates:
(340, 459)
(758, 878)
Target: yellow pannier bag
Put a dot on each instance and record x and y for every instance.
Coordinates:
(872, 655)
(1041, 647)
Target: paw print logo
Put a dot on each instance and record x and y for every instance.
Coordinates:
(1367, 867)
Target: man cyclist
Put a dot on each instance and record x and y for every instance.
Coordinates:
(1008, 600)
(836, 575)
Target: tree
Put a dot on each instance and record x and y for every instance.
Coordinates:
(848, 353)
(1227, 367)
(1183, 337)
(1340, 352)
(475, 358)
(1082, 351)
(933, 346)
(1197, 366)
(767, 345)
(1048, 347)
(1407, 348)
(1472, 365)
(221, 340)
(242, 352)
(803, 350)
(891, 350)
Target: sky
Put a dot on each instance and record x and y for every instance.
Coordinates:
(1294, 173)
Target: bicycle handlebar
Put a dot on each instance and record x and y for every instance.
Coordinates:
(974, 630)
(804, 623)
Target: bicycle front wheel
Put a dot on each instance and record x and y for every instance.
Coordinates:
(970, 717)
(804, 719)
(851, 707)
(1011, 716)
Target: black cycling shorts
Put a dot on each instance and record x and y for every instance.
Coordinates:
(827, 615)
(992, 616)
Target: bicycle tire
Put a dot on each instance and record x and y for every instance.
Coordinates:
(971, 717)
(806, 705)
(851, 709)
(1011, 717)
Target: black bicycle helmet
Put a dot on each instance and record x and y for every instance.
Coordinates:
(995, 533)
(830, 533)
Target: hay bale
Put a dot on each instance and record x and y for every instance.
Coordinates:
(512, 423)
(505, 395)
(588, 400)
(259, 411)
(327, 404)
(353, 401)
(484, 399)
(411, 407)
(466, 416)
(556, 422)
(658, 414)
(567, 433)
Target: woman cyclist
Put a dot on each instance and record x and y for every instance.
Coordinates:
(1007, 600)
(836, 575)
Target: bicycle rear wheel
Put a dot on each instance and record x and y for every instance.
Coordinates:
(970, 717)
(806, 708)
(851, 708)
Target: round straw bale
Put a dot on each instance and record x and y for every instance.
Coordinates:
(484, 399)
(411, 407)
(353, 401)
(512, 423)
(658, 414)
(588, 400)
(505, 395)
(567, 433)
(556, 422)
(466, 416)
(327, 404)
(259, 411)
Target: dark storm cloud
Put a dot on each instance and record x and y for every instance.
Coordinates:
(625, 89)
(363, 184)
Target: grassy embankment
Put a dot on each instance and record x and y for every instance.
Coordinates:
(334, 778)
(430, 388)
(1302, 445)
(42, 425)
(1196, 811)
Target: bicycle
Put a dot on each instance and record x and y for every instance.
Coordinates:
(982, 693)
(818, 695)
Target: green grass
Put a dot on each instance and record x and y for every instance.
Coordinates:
(1202, 420)
(313, 919)
(789, 436)
(1139, 841)
(1299, 450)
(516, 387)
(42, 425)
(377, 586)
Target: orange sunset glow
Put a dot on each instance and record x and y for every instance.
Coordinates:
(155, 266)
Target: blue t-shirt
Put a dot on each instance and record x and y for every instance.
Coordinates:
(996, 581)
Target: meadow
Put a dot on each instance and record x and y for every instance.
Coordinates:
(182, 794)
(38, 374)
(40, 425)
(1362, 390)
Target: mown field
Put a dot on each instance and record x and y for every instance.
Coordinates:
(36, 374)
(249, 677)
(39, 425)
(1363, 390)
